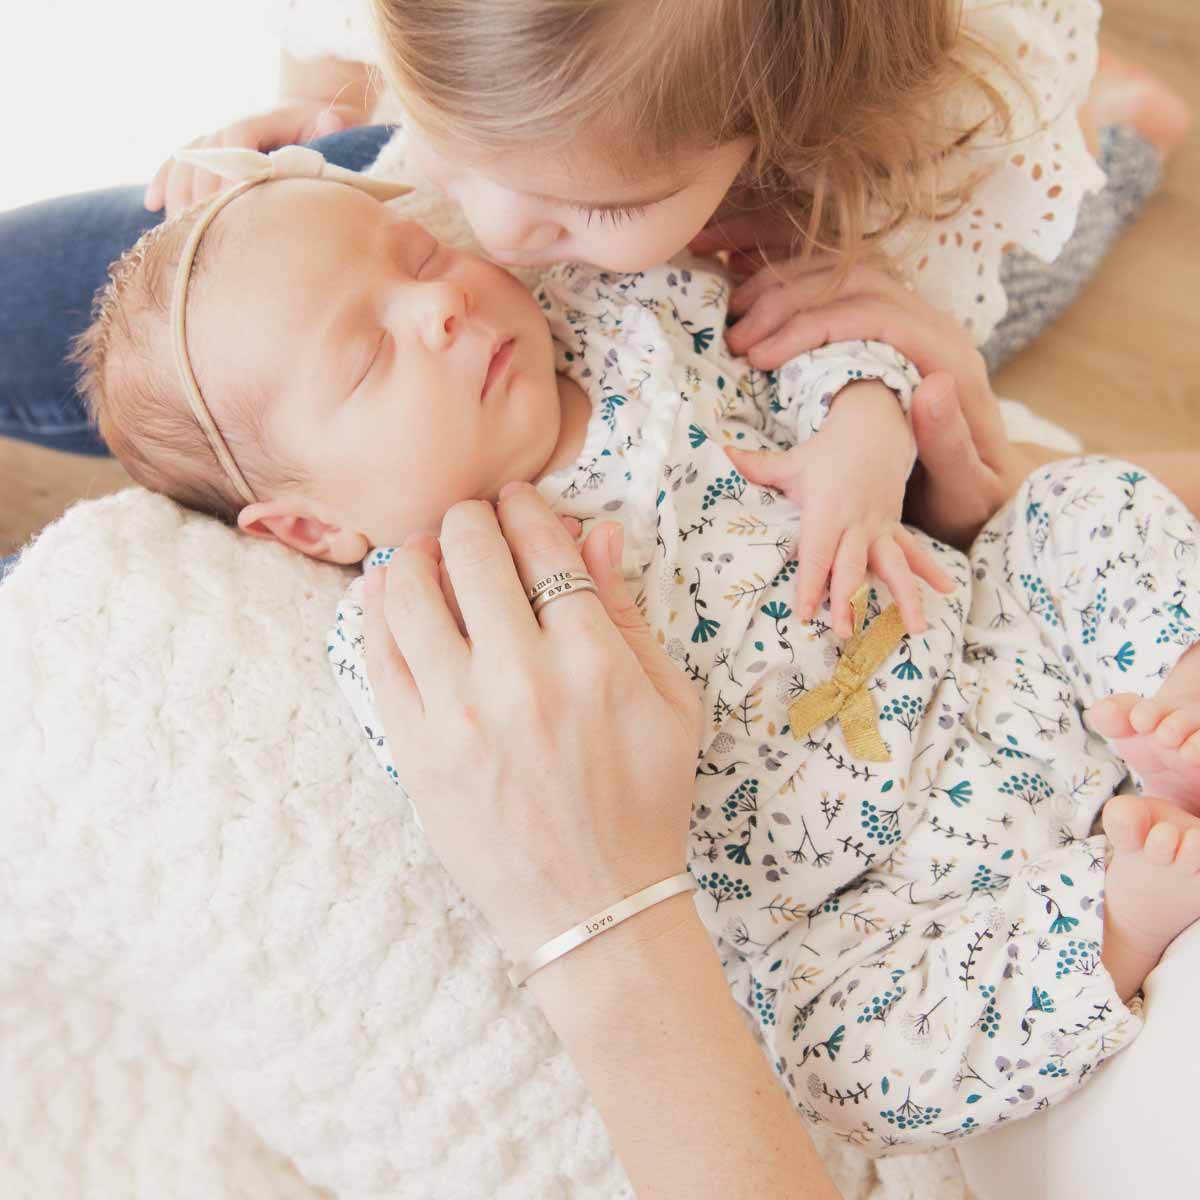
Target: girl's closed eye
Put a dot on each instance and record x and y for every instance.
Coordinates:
(614, 216)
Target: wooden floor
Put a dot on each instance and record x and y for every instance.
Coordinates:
(1122, 368)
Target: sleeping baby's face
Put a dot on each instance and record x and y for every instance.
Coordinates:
(398, 375)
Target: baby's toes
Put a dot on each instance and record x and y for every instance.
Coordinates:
(1162, 843)
(1177, 727)
(1110, 717)
(1127, 820)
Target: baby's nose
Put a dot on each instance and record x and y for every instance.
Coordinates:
(445, 308)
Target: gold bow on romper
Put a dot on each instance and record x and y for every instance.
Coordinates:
(845, 696)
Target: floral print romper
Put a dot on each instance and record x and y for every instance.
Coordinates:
(917, 941)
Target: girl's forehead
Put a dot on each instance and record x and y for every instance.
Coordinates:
(578, 172)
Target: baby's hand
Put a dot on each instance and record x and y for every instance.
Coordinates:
(849, 481)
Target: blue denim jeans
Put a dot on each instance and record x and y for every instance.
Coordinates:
(54, 256)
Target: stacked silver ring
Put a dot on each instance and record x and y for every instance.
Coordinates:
(556, 586)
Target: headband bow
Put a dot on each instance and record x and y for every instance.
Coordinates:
(249, 168)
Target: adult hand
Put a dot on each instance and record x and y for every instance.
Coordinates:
(966, 467)
(552, 758)
(177, 186)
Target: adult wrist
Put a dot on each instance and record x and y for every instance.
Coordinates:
(588, 991)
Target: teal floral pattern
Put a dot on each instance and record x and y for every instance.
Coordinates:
(917, 940)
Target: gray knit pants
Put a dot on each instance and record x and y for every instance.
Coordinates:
(1039, 293)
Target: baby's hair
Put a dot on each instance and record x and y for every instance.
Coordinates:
(842, 100)
(132, 392)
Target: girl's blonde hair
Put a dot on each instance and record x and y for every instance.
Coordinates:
(844, 101)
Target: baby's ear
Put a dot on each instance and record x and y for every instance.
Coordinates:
(281, 521)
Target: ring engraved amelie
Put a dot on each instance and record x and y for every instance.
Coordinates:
(556, 586)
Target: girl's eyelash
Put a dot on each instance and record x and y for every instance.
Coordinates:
(614, 216)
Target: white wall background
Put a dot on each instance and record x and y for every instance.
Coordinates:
(95, 93)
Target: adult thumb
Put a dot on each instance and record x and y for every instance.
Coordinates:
(602, 552)
(944, 441)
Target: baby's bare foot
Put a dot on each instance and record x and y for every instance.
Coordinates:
(1159, 740)
(1125, 94)
(1152, 886)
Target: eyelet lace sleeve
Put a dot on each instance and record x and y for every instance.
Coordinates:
(1032, 180)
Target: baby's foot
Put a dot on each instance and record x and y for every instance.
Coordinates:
(1125, 94)
(1152, 886)
(1160, 741)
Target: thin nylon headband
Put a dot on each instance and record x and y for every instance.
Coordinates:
(251, 168)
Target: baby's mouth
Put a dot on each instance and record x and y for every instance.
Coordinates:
(501, 357)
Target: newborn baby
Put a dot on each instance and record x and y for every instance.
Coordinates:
(911, 910)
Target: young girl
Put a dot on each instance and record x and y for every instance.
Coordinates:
(933, 135)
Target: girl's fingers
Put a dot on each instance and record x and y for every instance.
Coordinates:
(849, 570)
(178, 188)
(421, 623)
(887, 560)
(392, 682)
(480, 563)
(156, 188)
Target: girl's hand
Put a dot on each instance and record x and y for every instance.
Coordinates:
(551, 758)
(178, 186)
(849, 481)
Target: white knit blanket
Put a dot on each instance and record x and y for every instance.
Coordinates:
(229, 966)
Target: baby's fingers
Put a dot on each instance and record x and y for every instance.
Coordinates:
(849, 570)
(921, 563)
(887, 560)
(817, 548)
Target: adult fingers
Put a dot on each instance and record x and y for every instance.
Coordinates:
(541, 549)
(816, 280)
(602, 558)
(156, 189)
(480, 563)
(421, 623)
(863, 317)
(943, 437)
(395, 689)
(888, 562)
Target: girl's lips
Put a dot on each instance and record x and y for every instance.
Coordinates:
(499, 364)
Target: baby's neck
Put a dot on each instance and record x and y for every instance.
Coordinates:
(576, 410)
